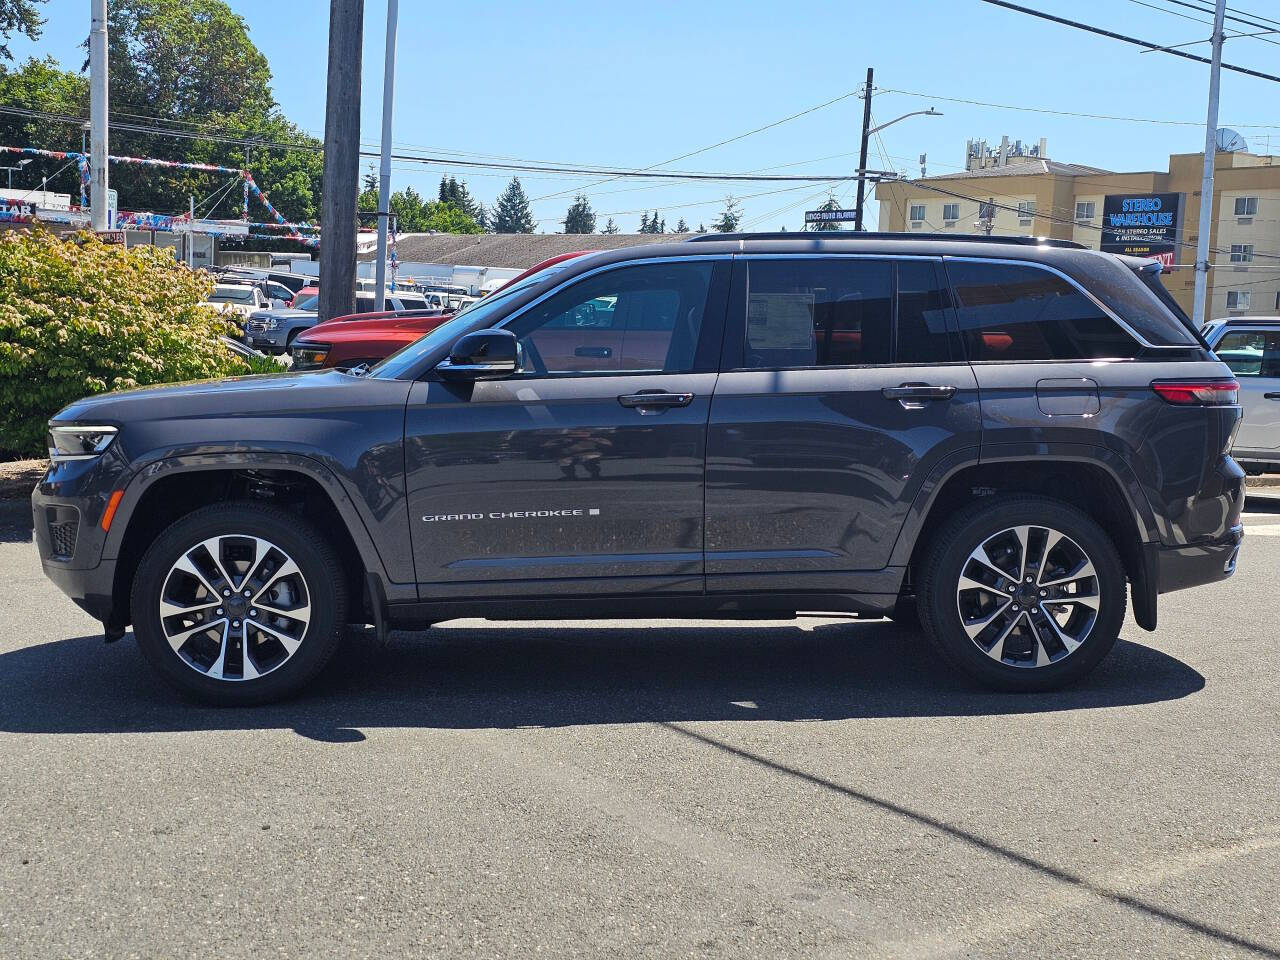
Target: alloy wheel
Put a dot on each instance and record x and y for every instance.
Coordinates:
(235, 607)
(1028, 596)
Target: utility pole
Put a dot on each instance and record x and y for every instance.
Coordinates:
(384, 172)
(98, 114)
(341, 160)
(191, 232)
(862, 152)
(1210, 154)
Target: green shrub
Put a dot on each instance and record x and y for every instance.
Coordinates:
(78, 316)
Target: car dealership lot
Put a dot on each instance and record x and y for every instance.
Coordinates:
(808, 788)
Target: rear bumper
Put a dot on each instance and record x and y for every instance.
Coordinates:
(1180, 567)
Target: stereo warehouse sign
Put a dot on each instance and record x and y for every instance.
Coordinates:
(1143, 225)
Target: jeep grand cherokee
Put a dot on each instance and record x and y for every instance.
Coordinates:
(1008, 437)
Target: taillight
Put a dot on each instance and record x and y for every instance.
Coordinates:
(1198, 393)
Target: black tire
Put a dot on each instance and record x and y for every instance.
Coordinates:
(325, 591)
(947, 556)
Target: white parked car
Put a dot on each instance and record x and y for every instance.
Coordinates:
(240, 299)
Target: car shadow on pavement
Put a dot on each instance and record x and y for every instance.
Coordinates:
(479, 675)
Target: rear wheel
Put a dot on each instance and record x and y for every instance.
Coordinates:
(1022, 593)
(239, 603)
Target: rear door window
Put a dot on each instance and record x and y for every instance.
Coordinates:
(1018, 312)
(814, 312)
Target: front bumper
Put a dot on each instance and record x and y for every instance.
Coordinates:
(66, 512)
(1180, 567)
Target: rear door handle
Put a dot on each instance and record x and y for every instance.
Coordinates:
(914, 396)
(655, 399)
(605, 352)
(1271, 396)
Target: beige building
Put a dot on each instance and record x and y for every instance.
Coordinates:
(1152, 213)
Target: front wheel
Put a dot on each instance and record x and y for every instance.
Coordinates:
(239, 603)
(1022, 593)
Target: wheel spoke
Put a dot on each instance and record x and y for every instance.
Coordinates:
(1042, 655)
(219, 665)
(996, 650)
(981, 557)
(186, 565)
(1024, 542)
(170, 609)
(975, 627)
(1082, 572)
(214, 547)
(1069, 642)
(286, 569)
(1090, 600)
(249, 670)
(288, 642)
(1051, 540)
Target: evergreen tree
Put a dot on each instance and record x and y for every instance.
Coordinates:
(662, 226)
(681, 226)
(644, 222)
(511, 214)
(610, 227)
(829, 204)
(455, 192)
(730, 218)
(580, 218)
(701, 229)
(369, 184)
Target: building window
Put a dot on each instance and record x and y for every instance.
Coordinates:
(951, 211)
(1246, 206)
(917, 211)
(1238, 299)
(1242, 253)
(1026, 210)
(1085, 209)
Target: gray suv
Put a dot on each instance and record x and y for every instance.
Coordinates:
(1011, 440)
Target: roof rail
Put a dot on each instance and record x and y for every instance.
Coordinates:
(879, 236)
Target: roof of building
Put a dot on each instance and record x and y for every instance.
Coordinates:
(1024, 168)
(515, 250)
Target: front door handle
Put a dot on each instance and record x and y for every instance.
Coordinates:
(914, 396)
(655, 400)
(1271, 396)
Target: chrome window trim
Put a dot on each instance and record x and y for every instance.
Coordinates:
(1074, 283)
(833, 254)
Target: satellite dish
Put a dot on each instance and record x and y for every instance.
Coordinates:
(1230, 142)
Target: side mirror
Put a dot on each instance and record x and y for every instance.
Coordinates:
(482, 355)
(277, 304)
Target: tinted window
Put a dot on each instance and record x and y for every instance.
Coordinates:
(1013, 312)
(646, 317)
(818, 312)
(1251, 353)
(1141, 299)
(923, 305)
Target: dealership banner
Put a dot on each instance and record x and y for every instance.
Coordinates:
(1143, 225)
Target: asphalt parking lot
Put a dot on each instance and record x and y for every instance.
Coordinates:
(814, 788)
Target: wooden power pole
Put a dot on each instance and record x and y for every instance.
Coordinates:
(341, 160)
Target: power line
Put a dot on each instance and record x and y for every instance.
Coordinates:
(721, 143)
(1089, 28)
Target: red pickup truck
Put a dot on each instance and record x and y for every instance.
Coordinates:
(346, 342)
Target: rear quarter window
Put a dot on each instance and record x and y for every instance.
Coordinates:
(1123, 291)
(1017, 312)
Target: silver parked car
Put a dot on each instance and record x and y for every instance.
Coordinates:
(1250, 346)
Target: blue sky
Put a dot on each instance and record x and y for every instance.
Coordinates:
(636, 84)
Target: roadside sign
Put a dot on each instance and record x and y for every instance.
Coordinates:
(111, 236)
(113, 204)
(830, 216)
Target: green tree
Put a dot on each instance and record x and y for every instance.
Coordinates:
(409, 210)
(511, 214)
(701, 229)
(455, 191)
(644, 222)
(43, 85)
(580, 218)
(18, 16)
(730, 218)
(448, 217)
(681, 226)
(831, 203)
(610, 227)
(369, 183)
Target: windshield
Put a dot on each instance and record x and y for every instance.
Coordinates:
(309, 303)
(232, 295)
(472, 318)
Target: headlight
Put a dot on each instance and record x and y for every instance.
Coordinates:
(270, 323)
(308, 358)
(79, 443)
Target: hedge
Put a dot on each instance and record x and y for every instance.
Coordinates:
(78, 316)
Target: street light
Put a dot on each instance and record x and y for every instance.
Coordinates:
(866, 136)
(21, 164)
